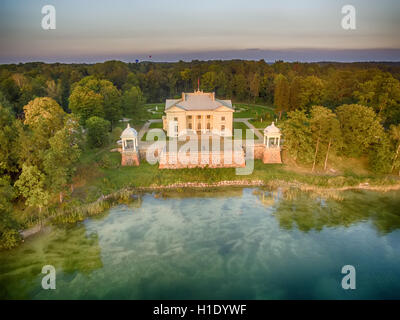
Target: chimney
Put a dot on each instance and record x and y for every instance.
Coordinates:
(183, 96)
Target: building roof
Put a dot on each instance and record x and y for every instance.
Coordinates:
(128, 133)
(272, 129)
(198, 100)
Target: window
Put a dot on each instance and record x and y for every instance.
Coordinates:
(222, 118)
(198, 117)
(190, 126)
(175, 119)
(222, 128)
(199, 126)
(208, 117)
(208, 126)
(190, 117)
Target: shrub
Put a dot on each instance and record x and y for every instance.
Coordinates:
(9, 239)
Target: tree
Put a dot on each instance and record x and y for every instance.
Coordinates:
(61, 158)
(325, 130)
(8, 138)
(86, 103)
(97, 131)
(43, 118)
(132, 100)
(281, 94)
(360, 127)
(298, 136)
(9, 236)
(131, 81)
(381, 93)
(209, 81)
(340, 87)
(312, 91)
(114, 71)
(295, 92)
(380, 155)
(395, 136)
(267, 87)
(255, 86)
(240, 86)
(44, 115)
(12, 93)
(31, 185)
(54, 90)
(94, 97)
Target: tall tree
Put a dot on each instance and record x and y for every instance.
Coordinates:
(44, 114)
(31, 185)
(381, 93)
(8, 138)
(395, 137)
(254, 86)
(360, 127)
(298, 136)
(240, 87)
(61, 158)
(95, 97)
(281, 94)
(295, 93)
(312, 91)
(380, 154)
(209, 81)
(43, 118)
(325, 130)
(132, 100)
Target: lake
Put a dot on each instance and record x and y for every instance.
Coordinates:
(222, 244)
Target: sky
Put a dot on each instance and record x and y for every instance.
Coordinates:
(171, 30)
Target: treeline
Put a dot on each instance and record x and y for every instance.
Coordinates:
(351, 130)
(287, 85)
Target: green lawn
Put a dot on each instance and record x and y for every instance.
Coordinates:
(142, 115)
(156, 125)
(248, 110)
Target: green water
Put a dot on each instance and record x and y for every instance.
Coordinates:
(232, 244)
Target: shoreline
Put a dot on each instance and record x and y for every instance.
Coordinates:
(253, 183)
(27, 233)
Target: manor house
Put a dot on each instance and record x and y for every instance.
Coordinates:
(198, 112)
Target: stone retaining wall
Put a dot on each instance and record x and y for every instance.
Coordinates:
(213, 159)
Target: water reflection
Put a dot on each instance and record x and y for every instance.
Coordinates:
(229, 243)
(69, 250)
(314, 211)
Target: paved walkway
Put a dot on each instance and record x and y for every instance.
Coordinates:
(146, 126)
(247, 123)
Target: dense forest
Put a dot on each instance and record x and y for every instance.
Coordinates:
(350, 109)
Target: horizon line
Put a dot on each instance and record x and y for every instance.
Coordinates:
(304, 55)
